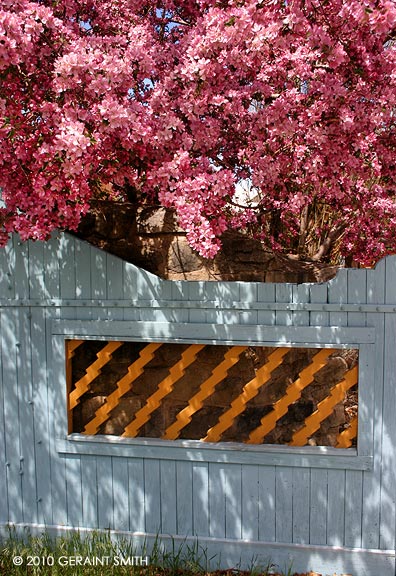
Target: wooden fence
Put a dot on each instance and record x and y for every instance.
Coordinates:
(67, 462)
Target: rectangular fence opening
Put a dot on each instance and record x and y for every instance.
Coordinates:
(213, 393)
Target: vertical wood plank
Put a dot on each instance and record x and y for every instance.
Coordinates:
(3, 456)
(7, 270)
(336, 507)
(57, 462)
(89, 484)
(388, 468)
(353, 509)
(115, 278)
(67, 271)
(372, 478)
(217, 502)
(184, 493)
(82, 254)
(300, 295)
(201, 499)
(120, 494)
(266, 293)
(26, 422)
(267, 503)
(39, 368)
(318, 295)
(37, 288)
(233, 501)
(21, 281)
(168, 497)
(301, 503)
(152, 491)
(105, 492)
(318, 508)
(9, 348)
(74, 490)
(284, 504)
(338, 294)
(284, 293)
(136, 495)
(250, 502)
(51, 267)
(98, 274)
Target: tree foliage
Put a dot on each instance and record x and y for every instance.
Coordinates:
(176, 103)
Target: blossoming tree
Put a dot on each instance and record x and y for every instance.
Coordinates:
(179, 102)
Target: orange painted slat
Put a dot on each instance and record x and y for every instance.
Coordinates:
(250, 390)
(207, 388)
(325, 408)
(123, 386)
(344, 439)
(293, 393)
(71, 346)
(164, 388)
(92, 372)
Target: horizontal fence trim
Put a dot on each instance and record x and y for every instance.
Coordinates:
(214, 333)
(366, 561)
(222, 452)
(199, 304)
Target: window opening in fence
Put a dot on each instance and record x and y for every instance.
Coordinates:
(213, 393)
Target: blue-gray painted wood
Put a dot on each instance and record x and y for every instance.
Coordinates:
(298, 502)
(3, 455)
(184, 498)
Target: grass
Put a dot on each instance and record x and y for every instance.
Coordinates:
(97, 554)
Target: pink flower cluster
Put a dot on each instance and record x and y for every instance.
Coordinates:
(181, 100)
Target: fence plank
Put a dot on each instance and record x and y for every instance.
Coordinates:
(89, 483)
(136, 495)
(105, 492)
(168, 497)
(267, 503)
(335, 507)
(41, 400)
(74, 491)
(388, 480)
(250, 502)
(120, 494)
(353, 508)
(284, 504)
(372, 479)
(25, 417)
(184, 493)
(201, 498)
(318, 507)
(301, 502)
(217, 503)
(3, 456)
(7, 270)
(9, 357)
(233, 501)
(152, 501)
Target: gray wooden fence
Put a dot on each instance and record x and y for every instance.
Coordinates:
(327, 509)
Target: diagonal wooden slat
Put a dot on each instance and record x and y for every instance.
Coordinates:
(164, 388)
(293, 393)
(206, 389)
(71, 346)
(123, 386)
(325, 408)
(103, 357)
(344, 439)
(249, 391)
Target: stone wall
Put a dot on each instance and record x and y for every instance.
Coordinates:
(151, 239)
